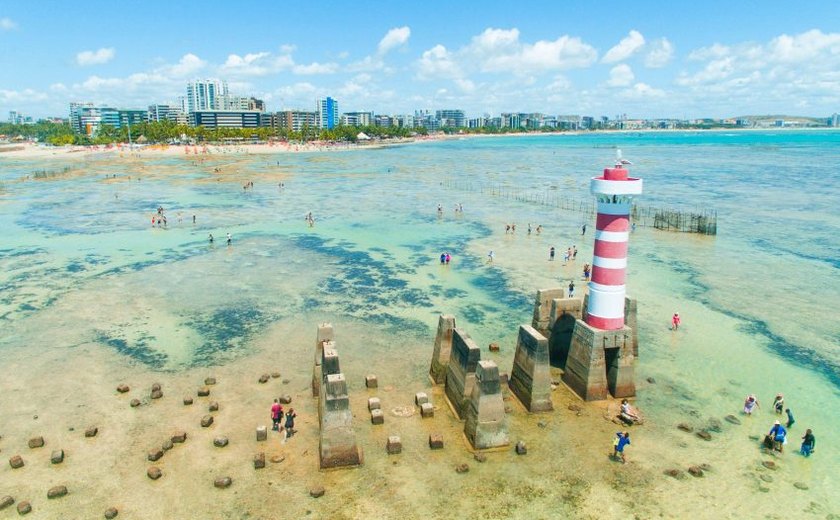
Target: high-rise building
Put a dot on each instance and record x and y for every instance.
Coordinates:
(295, 120)
(173, 113)
(357, 118)
(206, 95)
(226, 118)
(327, 109)
(451, 118)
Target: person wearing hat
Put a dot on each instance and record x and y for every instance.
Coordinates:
(779, 404)
(778, 433)
(675, 321)
(750, 404)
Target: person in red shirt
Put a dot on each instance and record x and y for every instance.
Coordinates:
(276, 415)
(675, 321)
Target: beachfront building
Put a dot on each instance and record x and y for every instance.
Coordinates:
(295, 120)
(405, 121)
(451, 118)
(226, 118)
(357, 118)
(327, 109)
(172, 113)
(208, 94)
(16, 118)
(383, 121)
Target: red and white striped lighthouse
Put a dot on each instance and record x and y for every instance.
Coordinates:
(614, 192)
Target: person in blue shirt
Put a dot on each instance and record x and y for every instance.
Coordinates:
(778, 433)
(622, 440)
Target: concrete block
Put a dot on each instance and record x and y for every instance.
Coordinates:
(436, 441)
(374, 403)
(377, 417)
(394, 445)
(262, 433)
(427, 410)
(371, 381)
(600, 362)
(420, 398)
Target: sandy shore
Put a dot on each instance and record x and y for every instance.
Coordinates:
(40, 151)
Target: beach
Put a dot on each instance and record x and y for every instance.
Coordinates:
(94, 297)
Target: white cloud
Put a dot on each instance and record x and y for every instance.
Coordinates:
(256, 64)
(500, 50)
(394, 38)
(642, 91)
(628, 46)
(705, 53)
(315, 68)
(466, 86)
(659, 53)
(97, 57)
(621, 76)
(188, 65)
(26, 95)
(438, 62)
(7, 24)
(58, 87)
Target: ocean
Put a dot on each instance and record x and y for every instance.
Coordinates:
(91, 293)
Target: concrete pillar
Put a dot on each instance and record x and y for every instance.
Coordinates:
(486, 423)
(564, 313)
(530, 379)
(460, 373)
(542, 308)
(443, 348)
(325, 333)
(600, 362)
(338, 447)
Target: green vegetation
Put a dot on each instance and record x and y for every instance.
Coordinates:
(166, 131)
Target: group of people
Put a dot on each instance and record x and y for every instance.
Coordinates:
(229, 238)
(776, 438)
(160, 217)
(277, 417)
(569, 254)
(445, 258)
(538, 228)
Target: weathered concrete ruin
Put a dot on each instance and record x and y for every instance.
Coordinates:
(530, 379)
(325, 333)
(443, 349)
(460, 373)
(337, 446)
(486, 423)
(596, 362)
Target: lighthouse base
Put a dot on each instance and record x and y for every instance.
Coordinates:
(600, 362)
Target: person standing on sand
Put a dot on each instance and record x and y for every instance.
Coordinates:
(675, 321)
(750, 404)
(490, 256)
(228, 239)
(790, 420)
(778, 434)
(779, 404)
(290, 422)
(276, 415)
(583, 230)
(808, 443)
(622, 440)
(572, 289)
(551, 254)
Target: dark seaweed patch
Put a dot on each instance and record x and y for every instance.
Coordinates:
(139, 351)
(227, 331)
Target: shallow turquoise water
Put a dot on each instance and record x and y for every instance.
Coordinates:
(758, 300)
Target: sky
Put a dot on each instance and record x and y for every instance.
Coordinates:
(645, 59)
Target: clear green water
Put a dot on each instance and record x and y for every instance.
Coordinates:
(759, 301)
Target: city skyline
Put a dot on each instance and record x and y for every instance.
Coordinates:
(644, 60)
